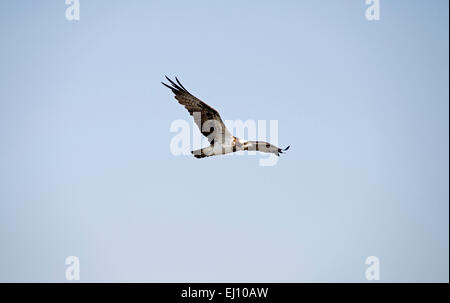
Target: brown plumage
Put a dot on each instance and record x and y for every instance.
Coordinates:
(206, 112)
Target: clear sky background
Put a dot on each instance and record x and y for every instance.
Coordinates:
(86, 168)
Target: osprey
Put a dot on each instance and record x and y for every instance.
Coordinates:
(212, 127)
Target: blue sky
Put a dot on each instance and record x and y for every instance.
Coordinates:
(86, 168)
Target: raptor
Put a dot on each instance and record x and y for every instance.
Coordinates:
(212, 127)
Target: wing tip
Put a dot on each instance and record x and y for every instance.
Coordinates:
(281, 150)
(178, 87)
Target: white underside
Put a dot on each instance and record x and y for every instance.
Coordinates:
(221, 149)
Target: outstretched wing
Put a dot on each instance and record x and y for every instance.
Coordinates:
(207, 118)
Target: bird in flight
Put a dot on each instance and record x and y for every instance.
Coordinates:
(212, 127)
